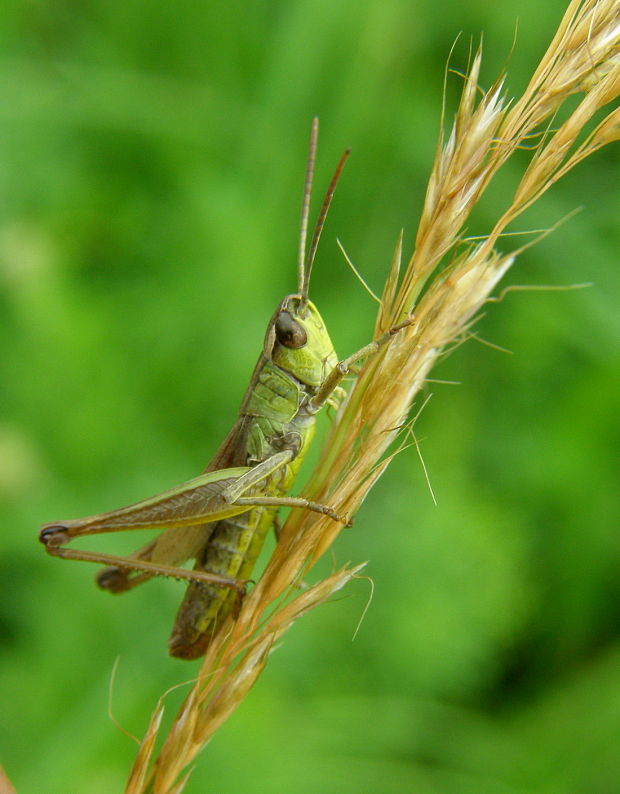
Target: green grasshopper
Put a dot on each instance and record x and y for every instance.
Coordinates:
(220, 519)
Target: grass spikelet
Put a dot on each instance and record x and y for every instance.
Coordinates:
(442, 300)
(139, 774)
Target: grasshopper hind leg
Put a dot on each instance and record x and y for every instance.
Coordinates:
(120, 580)
(116, 580)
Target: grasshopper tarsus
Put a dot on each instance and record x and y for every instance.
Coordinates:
(241, 587)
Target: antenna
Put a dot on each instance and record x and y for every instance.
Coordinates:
(304, 265)
(305, 206)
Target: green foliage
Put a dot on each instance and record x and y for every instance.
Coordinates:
(152, 173)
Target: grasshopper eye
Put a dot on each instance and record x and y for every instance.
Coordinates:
(289, 332)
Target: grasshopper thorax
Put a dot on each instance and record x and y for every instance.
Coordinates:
(297, 341)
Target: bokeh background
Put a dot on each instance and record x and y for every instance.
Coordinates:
(153, 158)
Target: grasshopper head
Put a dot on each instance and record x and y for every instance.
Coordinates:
(298, 342)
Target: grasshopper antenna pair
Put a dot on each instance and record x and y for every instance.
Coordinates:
(305, 260)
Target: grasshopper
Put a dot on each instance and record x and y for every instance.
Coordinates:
(220, 519)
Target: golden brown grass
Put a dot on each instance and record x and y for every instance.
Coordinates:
(584, 59)
(6, 787)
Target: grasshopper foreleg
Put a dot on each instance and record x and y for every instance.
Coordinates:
(344, 367)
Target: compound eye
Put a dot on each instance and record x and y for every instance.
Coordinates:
(289, 332)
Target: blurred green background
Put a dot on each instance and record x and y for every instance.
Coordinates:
(153, 158)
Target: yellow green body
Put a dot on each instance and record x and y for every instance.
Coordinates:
(272, 416)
